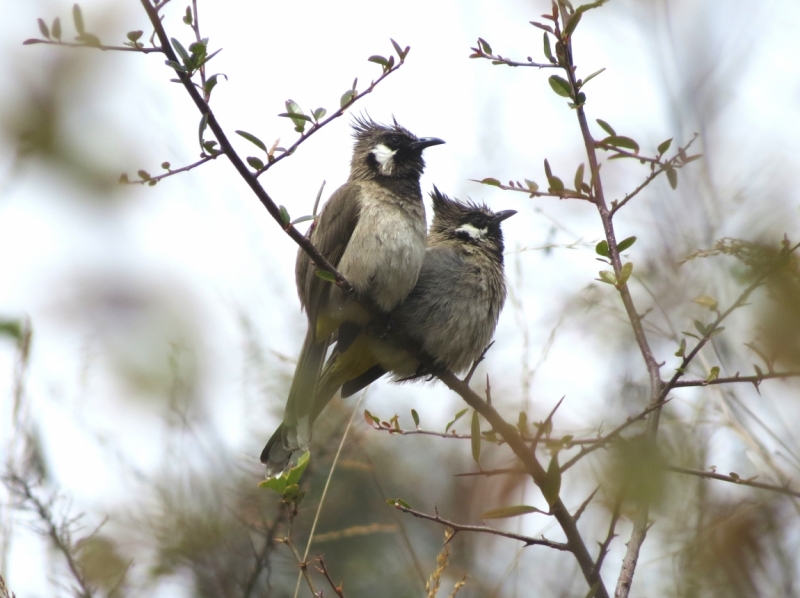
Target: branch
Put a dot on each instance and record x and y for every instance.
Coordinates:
(733, 479)
(324, 570)
(457, 527)
(34, 41)
(300, 562)
(482, 50)
(611, 535)
(512, 186)
(756, 380)
(146, 179)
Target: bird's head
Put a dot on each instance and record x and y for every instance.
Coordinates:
(387, 151)
(472, 224)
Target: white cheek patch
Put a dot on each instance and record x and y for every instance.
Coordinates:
(473, 232)
(385, 158)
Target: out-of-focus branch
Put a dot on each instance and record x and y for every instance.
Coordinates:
(324, 570)
(34, 41)
(733, 479)
(458, 527)
(737, 378)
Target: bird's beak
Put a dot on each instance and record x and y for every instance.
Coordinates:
(500, 216)
(421, 144)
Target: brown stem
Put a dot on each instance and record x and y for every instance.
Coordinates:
(712, 475)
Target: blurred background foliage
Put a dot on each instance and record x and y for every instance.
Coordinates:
(164, 327)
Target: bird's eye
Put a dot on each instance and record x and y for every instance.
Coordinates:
(478, 220)
(394, 140)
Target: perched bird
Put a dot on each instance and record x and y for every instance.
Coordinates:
(372, 229)
(452, 312)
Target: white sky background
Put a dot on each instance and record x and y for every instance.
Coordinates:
(202, 249)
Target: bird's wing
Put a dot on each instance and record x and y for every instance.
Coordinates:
(330, 235)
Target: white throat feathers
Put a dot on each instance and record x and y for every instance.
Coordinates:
(385, 158)
(471, 231)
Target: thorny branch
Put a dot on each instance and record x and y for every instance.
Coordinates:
(324, 570)
(733, 479)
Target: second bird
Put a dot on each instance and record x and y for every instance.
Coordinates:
(372, 229)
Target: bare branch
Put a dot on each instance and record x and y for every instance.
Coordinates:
(143, 50)
(737, 378)
(324, 570)
(458, 527)
(152, 180)
(733, 479)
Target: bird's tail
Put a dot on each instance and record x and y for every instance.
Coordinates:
(294, 433)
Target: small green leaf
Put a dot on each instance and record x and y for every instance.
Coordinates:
(253, 139)
(293, 494)
(475, 432)
(211, 83)
(175, 65)
(144, 175)
(455, 419)
(347, 97)
(490, 181)
(319, 113)
(12, 328)
(330, 277)
(532, 186)
(592, 76)
(560, 86)
(571, 25)
(165, 165)
(713, 374)
(134, 35)
(89, 39)
(180, 50)
(284, 212)
(552, 482)
(701, 328)
(625, 244)
(277, 483)
(302, 219)
(602, 248)
(43, 28)
(608, 277)
(625, 274)
(255, 162)
(56, 28)
(707, 301)
(664, 146)
(514, 511)
(379, 60)
(398, 502)
(682, 349)
(187, 17)
(77, 17)
(401, 53)
(622, 141)
(606, 127)
(484, 45)
(579, 178)
(672, 177)
(370, 419)
(415, 417)
(717, 331)
(295, 472)
(548, 52)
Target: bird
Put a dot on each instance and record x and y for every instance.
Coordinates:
(373, 231)
(450, 315)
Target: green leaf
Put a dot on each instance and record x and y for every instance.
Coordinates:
(144, 175)
(592, 76)
(514, 511)
(330, 277)
(134, 35)
(277, 483)
(12, 328)
(77, 17)
(347, 97)
(455, 419)
(602, 248)
(490, 181)
(682, 349)
(552, 482)
(664, 146)
(713, 374)
(484, 45)
(608, 277)
(284, 213)
(187, 17)
(701, 328)
(401, 53)
(579, 178)
(319, 113)
(180, 50)
(398, 502)
(532, 186)
(255, 162)
(571, 25)
(415, 417)
(606, 127)
(475, 432)
(548, 52)
(560, 86)
(253, 139)
(302, 219)
(672, 177)
(293, 107)
(370, 419)
(293, 494)
(716, 331)
(625, 274)
(622, 141)
(175, 65)
(211, 83)
(706, 301)
(89, 39)
(379, 60)
(295, 472)
(56, 29)
(625, 244)
(43, 28)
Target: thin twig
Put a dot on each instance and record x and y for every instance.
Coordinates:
(142, 50)
(733, 480)
(610, 535)
(478, 52)
(458, 527)
(737, 378)
(300, 562)
(152, 180)
(324, 570)
(585, 504)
